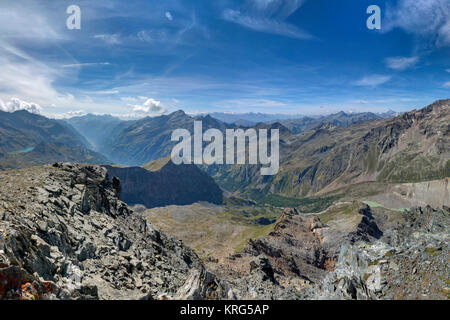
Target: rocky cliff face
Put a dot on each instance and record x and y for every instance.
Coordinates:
(64, 234)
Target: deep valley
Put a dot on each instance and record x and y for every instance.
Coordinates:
(94, 208)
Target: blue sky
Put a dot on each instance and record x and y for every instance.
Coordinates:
(135, 58)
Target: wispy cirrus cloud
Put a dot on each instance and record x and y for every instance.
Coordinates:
(401, 63)
(427, 19)
(87, 64)
(372, 80)
(446, 85)
(109, 38)
(265, 25)
(251, 103)
(268, 16)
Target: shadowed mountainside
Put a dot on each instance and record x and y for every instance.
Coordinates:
(168, 184)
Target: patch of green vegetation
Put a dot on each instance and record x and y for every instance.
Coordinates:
(313, 205)
(431, 251)
(251, 216)
(373, 263)
(335, 212)
(372, 204)
(413, 167)
(372, 159)
(254, 233)
(256, 194)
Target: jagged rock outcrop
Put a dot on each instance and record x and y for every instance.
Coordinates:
(64, 234)
(349, 257)
(410, 262)
(281, 264)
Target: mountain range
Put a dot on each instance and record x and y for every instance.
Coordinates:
(30, 139)
(295, 120)
(412, 147)
(358, 210)
(137, 142)
(318, 155)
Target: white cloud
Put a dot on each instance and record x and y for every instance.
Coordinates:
(128, 99)
(169, 16)
(276, 8)
(23, 20)
(444, 35)
(15, 104)
(401, 63)
(22, 75)
(154, 35)
(101, 92)
(268, 16)
(265, 25)
(429, 19)
(25, 77)
(109, 38)
(251, 103)
(150, 107)
(75, 113)
(89, 64)
(446, 85)
(373, 80)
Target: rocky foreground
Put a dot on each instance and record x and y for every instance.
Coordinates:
(64, 234)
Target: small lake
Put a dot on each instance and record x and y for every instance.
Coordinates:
(24, 150)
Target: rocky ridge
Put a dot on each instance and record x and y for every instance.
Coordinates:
(411, 262)
(64, 234)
